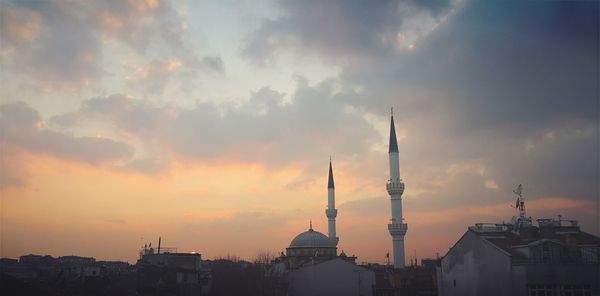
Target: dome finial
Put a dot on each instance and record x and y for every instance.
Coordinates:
(310, 224)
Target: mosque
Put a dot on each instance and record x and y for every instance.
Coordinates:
(313, 247)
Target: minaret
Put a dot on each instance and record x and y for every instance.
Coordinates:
(331, 211)
(395, 188)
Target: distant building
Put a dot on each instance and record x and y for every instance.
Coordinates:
(413, 280)
(166, 273)
(553, 258)
(76, 260)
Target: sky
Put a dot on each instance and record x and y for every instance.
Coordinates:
(211, 123)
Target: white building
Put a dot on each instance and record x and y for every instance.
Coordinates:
(331, 278)
(521, 259)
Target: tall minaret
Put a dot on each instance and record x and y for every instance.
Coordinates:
(395, 188)
(331, 211)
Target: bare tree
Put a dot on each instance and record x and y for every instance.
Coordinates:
(264, 257)
(230, 257)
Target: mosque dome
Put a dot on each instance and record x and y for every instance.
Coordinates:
(311, 239)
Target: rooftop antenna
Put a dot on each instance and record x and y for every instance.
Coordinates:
(158, 245)
(415, 257)
(520, 204)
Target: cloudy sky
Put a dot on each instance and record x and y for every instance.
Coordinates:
(211, 123)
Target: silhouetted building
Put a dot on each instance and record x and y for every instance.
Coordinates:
(554, 258)
(67, 275)
(408, 281)
(169, 273)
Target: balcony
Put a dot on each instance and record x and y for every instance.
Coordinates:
(397, 228)
(331, 213)
(395, 187)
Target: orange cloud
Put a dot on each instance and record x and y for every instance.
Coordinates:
(18, 27)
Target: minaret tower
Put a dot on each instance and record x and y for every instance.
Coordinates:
(331, 211)
(395, 188)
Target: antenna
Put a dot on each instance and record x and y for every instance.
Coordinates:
(519, 190)
(520, 204)
(415, 257)
(158, 245)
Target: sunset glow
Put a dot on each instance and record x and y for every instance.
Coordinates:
(212, 124)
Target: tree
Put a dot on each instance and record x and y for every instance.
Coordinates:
(264, 257)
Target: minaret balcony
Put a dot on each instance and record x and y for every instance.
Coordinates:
(397, 229)
(395, 187)
(331, 213)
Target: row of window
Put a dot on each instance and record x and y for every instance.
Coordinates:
(559, 290)
(311, 252)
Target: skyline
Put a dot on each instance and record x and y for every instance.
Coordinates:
(211, 124)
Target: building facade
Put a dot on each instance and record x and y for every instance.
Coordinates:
(331, 278)
(553, 258)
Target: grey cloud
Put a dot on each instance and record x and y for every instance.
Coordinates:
(214, 63)
(491, 78)
(22, 127)
(490, 67)
(342, 30)
(124, 111)
(59, 44)
(61, 51)
(262, 129)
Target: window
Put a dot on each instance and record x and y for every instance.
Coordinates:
(540, 290)
(559, 290)
(455, 283)
(590, 254)
(546, 253)
(574, 290)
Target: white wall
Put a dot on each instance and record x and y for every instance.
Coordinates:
(474, 267)
(333, 277)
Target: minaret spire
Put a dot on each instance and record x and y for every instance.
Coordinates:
(393, 141)
(395, 188)
(331, 211)
(330, 183)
